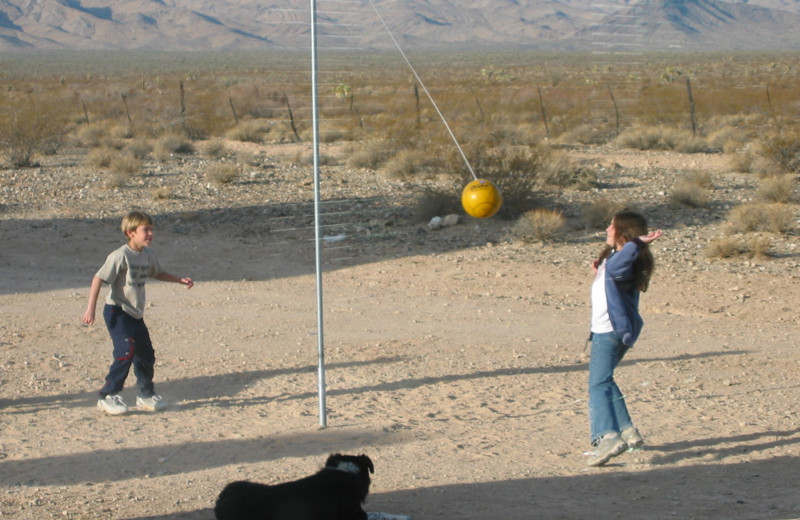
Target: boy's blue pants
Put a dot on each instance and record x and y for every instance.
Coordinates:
(132, 346)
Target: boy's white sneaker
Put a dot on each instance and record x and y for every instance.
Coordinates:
(154, 403)
(112, 404)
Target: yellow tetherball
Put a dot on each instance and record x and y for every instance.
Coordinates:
(481, 198)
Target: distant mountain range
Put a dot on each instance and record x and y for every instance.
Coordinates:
(575, 25)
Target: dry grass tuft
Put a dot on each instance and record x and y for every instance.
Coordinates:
(774, 218)
(694, 190)
(172, 143)
(598, 213)
(732, 247)
(778, 188)
(222, 173)
(539, 225)
(213, 149)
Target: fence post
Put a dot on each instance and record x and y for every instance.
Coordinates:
(616, 109)
(691, 107)
(544, 113)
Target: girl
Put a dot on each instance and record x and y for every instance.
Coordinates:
(622, 271)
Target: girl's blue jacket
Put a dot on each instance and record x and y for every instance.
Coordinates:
(621, 292)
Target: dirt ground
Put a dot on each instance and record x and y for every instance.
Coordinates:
(454, 358)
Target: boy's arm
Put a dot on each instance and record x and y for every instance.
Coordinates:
(166, 277)
(94, 292)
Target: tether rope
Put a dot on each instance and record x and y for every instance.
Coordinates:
(424, 89)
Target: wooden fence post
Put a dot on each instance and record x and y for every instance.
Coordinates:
(691, 107)
(616, 109)
(544, 113)
(233, 108)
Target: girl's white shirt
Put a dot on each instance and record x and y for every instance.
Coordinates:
(601, 323)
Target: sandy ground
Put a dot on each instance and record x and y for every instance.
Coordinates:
(454, 358)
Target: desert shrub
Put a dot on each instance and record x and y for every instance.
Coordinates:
(783, 150)
(538, 225)
(597, 213)
(725, 247)
(408, 163)
(370, 154)
(741, 162)
(517, 172)
(731, 247)
(693, 190)
(251, 131)
(124, 164)
(222, 173)
(120, 132)
(728, 139)
(559, 171)
(432, 202)
(246, 157)
(585, 133)
(775, 218)
(213, 149)
(759, 247)
(100, 157)
(332, 135)
(172, 143)
(91, 135)
(779, 188)
(162, 193)
(31, 127)
(116, 180)
(139, 148)
(661, 138)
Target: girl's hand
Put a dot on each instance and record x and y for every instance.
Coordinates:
(651, 236)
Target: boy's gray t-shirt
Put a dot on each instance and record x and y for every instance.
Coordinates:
(126, 270)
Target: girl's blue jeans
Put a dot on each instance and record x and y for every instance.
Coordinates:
(607, 410)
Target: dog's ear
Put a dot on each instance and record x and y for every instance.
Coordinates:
(332, 459)
(367, 462)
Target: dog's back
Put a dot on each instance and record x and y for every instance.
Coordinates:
(333, 493)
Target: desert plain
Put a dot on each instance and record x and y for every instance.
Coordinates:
(453, 357)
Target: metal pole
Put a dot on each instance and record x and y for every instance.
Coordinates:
(323, 418)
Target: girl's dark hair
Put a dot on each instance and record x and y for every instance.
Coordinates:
(628, 225)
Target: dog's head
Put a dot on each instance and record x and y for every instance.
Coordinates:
(357, 464)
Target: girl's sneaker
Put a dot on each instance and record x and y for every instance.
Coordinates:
(633, 438)
(112, 404)
(154, 403)
(609, 447)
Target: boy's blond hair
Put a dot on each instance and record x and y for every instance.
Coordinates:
(133, 220)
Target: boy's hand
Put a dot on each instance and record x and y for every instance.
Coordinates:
(88, 317)
(187, 282)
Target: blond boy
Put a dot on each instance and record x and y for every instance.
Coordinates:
(125, 271)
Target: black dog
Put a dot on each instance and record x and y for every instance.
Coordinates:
(336, 492)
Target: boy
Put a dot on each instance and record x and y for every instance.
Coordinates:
(126, 270)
